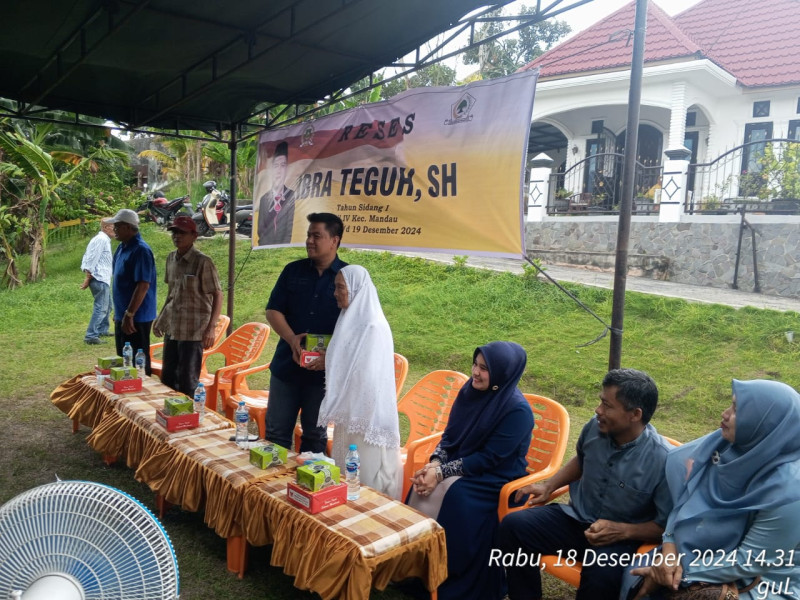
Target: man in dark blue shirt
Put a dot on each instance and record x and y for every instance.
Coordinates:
(302, 302)
(133, 286)
(618, 496)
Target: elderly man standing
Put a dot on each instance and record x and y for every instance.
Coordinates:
(133, 286)
(189, 316)
(618, 496)
(96, 264)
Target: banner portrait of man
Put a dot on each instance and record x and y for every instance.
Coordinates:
(276, 206)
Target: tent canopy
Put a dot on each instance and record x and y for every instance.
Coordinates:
(204, 64)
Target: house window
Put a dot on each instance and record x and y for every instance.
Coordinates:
(798, 106)
(761, 109)
(691, 119)
(755, 136)
(794, 130)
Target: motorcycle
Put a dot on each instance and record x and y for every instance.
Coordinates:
(213, 213)
(162, 211)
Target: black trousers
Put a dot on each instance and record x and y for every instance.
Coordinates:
(182, 362)
(138, 339)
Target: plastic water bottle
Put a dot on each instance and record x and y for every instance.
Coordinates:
(140, 362)
(352, 465)
(241, 417)
(127, 355)
(200, 401)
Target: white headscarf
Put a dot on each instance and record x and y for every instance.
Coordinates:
(360, 392)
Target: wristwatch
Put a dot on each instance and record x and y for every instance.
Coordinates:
(129, 313)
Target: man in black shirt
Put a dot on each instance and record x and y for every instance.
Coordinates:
(302, 302)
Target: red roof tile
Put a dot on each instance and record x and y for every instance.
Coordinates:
(757, 42)
(609, 43)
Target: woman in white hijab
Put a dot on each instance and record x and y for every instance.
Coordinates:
(360, 396)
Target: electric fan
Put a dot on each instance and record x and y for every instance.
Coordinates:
(79, 540)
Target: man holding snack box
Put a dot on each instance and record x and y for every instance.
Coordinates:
(189, 316)
(302, 303)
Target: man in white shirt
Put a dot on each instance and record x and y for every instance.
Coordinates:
(96, 264)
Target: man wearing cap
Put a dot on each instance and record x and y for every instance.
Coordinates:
(133, 286)
(96, 264)
(276, 207)
(189, 316)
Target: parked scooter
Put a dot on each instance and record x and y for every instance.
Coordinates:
(162, 211)
(213, 213)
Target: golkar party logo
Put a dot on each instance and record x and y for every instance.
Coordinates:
(308, 136)
(461, 111)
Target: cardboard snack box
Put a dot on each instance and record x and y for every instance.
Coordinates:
(317, 475)
(122, 373)
(266, 456)
(106, 362)
(177, 422)
(314, 502)
(123, 387)
(308, 357)
(178, 405)
(99, 371)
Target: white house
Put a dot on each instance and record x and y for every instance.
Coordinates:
(716, 76)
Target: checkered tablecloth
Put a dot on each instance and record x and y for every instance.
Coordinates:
(347, 550)
(207, 471)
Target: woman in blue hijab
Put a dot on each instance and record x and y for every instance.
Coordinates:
(483, 447)
(736, 494)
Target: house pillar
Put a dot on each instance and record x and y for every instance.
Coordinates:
(677, 122)
(673, 184)
(539, 187)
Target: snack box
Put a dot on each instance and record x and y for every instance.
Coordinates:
(177, 422)
(314, 476)
(121, 373)
(100, 372)
(178, 405)
(106, 362)
(314, 502)
(307, 357)
(266, 456)
(123, 387)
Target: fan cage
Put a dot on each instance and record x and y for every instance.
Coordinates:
(103, 538)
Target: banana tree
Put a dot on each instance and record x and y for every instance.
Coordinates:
(34, 184)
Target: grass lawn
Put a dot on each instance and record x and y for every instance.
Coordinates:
(438, 314)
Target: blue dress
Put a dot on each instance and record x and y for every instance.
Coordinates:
(484, 444)
(469, 509)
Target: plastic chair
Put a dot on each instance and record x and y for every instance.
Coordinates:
(572, 574)
(427, 405)
(546, 450)
(240, 349)
(400, 373)
(156, 364)
(255, 400)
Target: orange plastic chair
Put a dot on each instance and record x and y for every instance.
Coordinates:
(156, 364)
(400, 373)
(255, 400)
(240, 349)
(546, 451)
(427, 405)
(572, 574)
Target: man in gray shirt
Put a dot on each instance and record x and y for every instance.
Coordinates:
(618, 496)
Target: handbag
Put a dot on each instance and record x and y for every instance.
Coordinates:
(709, 591)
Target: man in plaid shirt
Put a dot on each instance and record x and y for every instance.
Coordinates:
(189, 315)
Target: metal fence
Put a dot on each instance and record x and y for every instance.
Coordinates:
(759, 176)
(594, 185)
